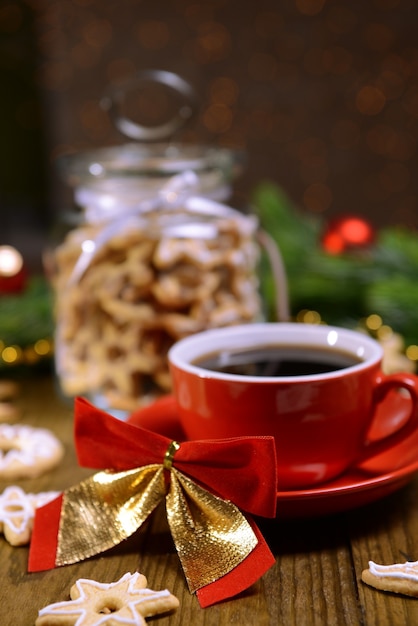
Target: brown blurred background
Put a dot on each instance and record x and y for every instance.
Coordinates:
(321, 94)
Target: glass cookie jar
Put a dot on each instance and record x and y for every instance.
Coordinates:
(153, 255)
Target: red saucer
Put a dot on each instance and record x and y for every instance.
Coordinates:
(374, 479)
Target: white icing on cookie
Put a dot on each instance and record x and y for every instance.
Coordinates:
(407, 570)
(26, 451)
(17, 510)
(126, 602)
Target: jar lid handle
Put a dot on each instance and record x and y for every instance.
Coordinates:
(115, 97)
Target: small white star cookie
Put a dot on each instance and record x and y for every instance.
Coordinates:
(397, 578)
(126, 602)
(17, 510)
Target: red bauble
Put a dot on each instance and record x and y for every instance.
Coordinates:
(347, 233)
(13, 275)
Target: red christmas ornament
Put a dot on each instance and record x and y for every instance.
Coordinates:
(347, 233)
(12, 271)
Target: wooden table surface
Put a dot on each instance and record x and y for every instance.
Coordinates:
(316, 579)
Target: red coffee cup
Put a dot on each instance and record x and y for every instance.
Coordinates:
(320, 417)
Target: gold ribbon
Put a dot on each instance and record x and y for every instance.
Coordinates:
(211, 535)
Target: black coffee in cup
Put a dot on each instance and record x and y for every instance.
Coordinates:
(277, 360)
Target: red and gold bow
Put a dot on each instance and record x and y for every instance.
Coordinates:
(221, 550)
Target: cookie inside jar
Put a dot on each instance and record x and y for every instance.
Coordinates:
(148, 262)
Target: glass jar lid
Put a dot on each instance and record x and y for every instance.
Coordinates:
(152, 155)
(162, 160)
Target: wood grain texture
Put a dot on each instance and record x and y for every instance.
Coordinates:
(316, 580)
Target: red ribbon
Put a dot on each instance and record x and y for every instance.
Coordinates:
(242, 470)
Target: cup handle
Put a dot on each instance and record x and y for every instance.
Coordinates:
(384, 384)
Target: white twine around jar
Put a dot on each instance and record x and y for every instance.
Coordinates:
(175, 210)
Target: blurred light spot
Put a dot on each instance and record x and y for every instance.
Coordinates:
(96, 169)
(88, 246)
(373, 321)
(308, 317)
(333, 243)
(412, 352)
(42, 347)
(213, 43)
(11, 354)
(332, 337)
(370, 100)
(11, 261)
(217, 118)
(356, 231)
(385, 332)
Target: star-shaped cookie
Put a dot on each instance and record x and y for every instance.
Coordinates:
(125, 602)
(17, 510)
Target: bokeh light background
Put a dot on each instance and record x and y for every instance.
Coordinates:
(321, 94)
